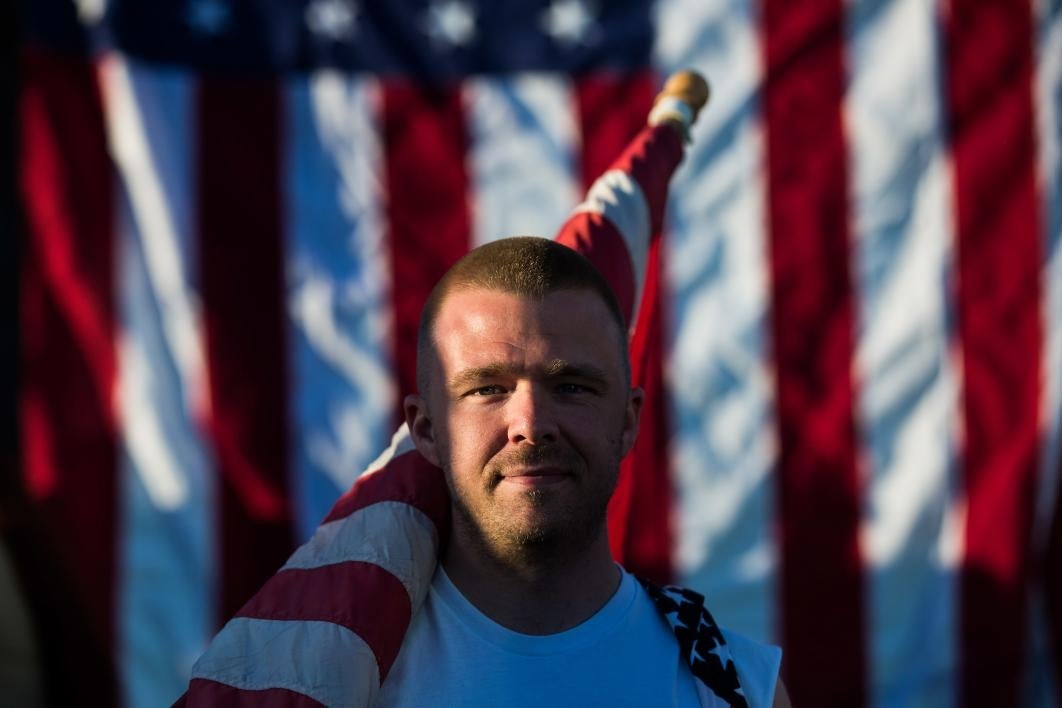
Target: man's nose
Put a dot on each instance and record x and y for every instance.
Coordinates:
(531, 416)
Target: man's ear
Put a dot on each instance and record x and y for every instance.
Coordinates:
(421, 429)
(631, 416)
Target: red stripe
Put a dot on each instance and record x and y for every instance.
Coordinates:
(324, 594)
(67, 333)
(407, 478)
(812, 327)
(646, 533)
(651, 159)
(1000, 260)
(612, 111)
(204, 693)
(598, 240)
(241, 271)
(425, 144)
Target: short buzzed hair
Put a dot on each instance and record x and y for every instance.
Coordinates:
(521, 265)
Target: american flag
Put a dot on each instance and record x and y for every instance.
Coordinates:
(233, 210)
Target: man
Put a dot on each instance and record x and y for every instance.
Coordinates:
(525, 403)
(524, 412)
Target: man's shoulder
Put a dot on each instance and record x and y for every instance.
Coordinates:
(738, 670)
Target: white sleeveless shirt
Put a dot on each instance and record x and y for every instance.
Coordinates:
(624, 655)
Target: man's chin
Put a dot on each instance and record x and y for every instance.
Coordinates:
(531, 524)
(535, 525)
(531, 530)
(531, 538)
(542, 534)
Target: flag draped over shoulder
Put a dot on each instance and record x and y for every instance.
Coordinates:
(851, 330)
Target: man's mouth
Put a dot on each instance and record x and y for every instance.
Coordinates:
(535, 477)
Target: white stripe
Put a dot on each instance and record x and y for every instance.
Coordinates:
(393, 535)
(90, 12)
(720, 383)
(522, 142)
(908, 402)
(161, 203)
(342, 389)
(619, 198)
(1049, 112)
(165, 586)
(401, 443)
(301, 656)
(1041, 680)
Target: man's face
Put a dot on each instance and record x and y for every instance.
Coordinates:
(529, 414)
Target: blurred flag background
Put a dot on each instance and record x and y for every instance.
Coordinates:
(227, 214)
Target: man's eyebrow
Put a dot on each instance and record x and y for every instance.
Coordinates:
(475, 374)
(558, 368)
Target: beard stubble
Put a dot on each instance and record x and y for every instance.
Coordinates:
(574, 524)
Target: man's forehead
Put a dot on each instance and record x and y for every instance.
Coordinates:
(561, 317)
(469, 300)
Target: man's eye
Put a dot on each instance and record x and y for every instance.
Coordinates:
(487, 391)
(571, 388)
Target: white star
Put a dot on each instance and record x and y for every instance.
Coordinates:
(208, 16)
(91, 11)
(452, 22)
(334, 19)
(568, 21)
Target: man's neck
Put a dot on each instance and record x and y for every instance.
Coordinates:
(529, 594)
